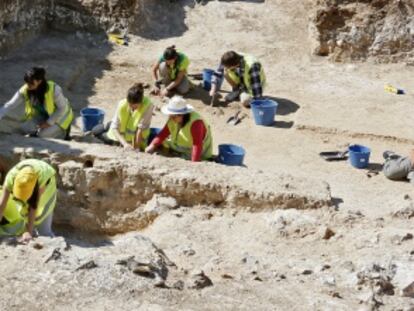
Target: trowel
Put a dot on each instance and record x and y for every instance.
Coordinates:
(234, 119)
(334, 155)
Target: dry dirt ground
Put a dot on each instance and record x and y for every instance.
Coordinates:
(258, 261)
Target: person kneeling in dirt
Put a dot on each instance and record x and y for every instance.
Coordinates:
(130, 126)
(189, 135)
(397, 167)
(244, 73)
(39, 108)
(171, 71)
(28, 200)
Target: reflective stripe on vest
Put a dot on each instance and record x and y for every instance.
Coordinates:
(181, 139)
(129, 120)
(249, 61)
(64, 122)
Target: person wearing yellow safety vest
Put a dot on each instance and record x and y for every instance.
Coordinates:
(189, 134)
(130, 126)
(12, 223)
(38, 108)
(171, 71)
(29, 194)
(244, 73)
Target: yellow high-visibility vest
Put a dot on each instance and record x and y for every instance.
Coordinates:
(64, 122)
(129, 121)
(249, 60)
(181, 139)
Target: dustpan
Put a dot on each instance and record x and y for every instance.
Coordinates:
(334, 155)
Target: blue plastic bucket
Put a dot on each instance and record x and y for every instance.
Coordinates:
(91, 117)
(359, 156)
(231, 154)
(264, 111)
(154, 131)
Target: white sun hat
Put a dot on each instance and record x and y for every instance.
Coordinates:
(176, 105)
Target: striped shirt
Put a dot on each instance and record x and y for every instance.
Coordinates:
(254, 75)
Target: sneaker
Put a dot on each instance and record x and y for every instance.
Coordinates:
(232, 96)
(98, 129)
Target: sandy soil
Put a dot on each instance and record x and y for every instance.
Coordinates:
(323, 106)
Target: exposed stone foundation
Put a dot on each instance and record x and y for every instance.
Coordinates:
(356, 30)
(109, 192)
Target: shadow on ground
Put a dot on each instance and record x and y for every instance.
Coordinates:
(285, 106)
(73, 61)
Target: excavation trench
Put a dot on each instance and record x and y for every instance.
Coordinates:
(109, 191)
(21, 21)
(105, 190)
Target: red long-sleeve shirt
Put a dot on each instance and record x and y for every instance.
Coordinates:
(198, 132)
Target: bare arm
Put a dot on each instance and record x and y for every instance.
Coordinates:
(115, 125)
(155, 68)
(138, 139)
(3, 201)
(28, 235)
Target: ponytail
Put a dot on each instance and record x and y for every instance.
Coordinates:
(135, 93)
(170, 53)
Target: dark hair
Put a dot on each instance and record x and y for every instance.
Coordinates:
(230, 59)
(186, 119)
(37, 73)
(135, 93)
(170, 53)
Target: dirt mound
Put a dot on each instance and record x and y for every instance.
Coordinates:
(357, 30)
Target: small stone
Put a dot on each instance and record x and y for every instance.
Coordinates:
(55, 255)
(159, 204)
(189, 252)
(407, 237)
(227, 276)
(199, 280)
(327, 233)
(37, 245)
(250, 260)
(335, 295)
(207, 216)
(408, 291)
(87, 266)
(179, 285)
(329, 280)
(178, 214)
(323, 267)
(396, 239)
(307, 272)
